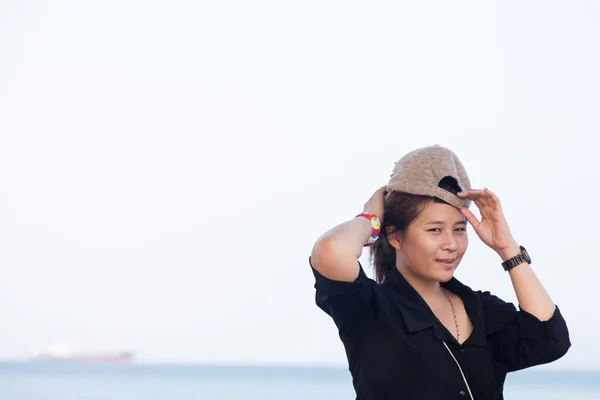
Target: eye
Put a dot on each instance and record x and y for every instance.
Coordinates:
(434, 230)
(461, 229)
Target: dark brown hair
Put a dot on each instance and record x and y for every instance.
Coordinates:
(400, 210)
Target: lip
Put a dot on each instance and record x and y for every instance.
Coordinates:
(446, 262)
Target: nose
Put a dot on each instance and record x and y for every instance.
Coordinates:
(449, 243)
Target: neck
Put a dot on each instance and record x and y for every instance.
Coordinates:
(427, 289)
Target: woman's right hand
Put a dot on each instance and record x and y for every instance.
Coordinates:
(375, 203)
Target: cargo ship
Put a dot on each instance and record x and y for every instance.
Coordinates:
(125, 357)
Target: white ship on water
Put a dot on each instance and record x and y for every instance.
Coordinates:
(104, 358)
(71, 355)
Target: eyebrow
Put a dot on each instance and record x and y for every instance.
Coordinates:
(463, 222)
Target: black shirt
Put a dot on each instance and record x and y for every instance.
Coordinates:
(394, 342)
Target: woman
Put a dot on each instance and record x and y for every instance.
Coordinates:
(417, 332)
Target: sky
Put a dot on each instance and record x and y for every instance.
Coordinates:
(166, 167)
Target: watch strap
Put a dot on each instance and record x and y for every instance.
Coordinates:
(519, 259)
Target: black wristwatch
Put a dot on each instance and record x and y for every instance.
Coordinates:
(516, 260)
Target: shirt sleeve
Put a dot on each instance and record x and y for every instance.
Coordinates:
(519, 339)
(349, 304)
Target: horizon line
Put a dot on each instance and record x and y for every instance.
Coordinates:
(250, 365)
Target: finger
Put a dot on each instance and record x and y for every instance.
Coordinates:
(471, 193)
(480, 197)
(493, 198)
(380, 191)
(487, 197)
(487, 200)
(470, 217)
(484, 199)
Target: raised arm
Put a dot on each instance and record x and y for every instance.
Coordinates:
(493, 230)
(335, 254)
(530, 292)
(537, 334)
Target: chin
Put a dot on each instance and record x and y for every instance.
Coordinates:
(445, 276)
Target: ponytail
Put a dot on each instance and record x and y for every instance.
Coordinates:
(383, 256)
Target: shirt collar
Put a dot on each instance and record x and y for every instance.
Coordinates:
(418, 316)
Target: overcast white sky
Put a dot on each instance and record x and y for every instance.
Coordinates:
(165, 167)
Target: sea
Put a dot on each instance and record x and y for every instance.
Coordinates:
(56, 381)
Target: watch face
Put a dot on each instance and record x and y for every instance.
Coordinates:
(525, 254)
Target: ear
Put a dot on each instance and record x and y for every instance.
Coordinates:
(394, 237)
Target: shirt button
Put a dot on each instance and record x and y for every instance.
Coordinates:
(462, 392)
(462, 350)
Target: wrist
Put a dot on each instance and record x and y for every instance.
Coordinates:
(375, 226)
(370, 210)
(509, 251)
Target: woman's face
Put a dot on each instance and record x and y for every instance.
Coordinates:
(434, 243)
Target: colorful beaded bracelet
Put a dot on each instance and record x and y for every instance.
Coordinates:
(375, 224)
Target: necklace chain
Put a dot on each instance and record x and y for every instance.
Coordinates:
(453, 313)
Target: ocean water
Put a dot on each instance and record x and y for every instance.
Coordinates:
(48, 381)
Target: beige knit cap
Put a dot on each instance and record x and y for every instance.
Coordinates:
(420, 172)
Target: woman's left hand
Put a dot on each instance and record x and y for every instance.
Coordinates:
(492, 229)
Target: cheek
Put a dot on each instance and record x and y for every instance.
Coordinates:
(417, 247)
(463, 243)
(427, 245)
